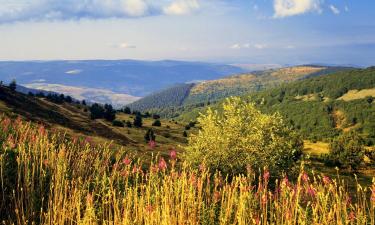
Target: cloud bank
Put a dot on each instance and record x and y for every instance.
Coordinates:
(285, 8)
(41, 10)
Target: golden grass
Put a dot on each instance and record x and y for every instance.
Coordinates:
(49, 179)
(317, 148)
(357, 94)
(293, 73)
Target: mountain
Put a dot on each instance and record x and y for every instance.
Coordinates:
(71, 117)
(319, 107)
(110, 78)
(236, 85)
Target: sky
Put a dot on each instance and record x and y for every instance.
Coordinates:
(227, 31)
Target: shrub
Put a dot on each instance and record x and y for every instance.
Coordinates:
(138, 121)
(241, 136)
(129, 124)
(185, 134)
(347, 150)
(150, 135)
(13, 85)
(118, 123)
(156, 123)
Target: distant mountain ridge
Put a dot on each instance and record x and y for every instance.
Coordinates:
(235, 85)
(111, 79)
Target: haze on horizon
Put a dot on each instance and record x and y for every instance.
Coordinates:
(237, 31)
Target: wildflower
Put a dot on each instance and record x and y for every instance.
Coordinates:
(202, 167)
(217, 196)
(305, 177)
(264, 199)
(162, 164)
(173, 154)
(89, 199)
(126, 161)
(373, 194)
(42, 130)
(149, 208)
(351, 216)
(45, 162)
(266, 175)
(311, 191)
(326, 180)
(152, 144)
(285, 181)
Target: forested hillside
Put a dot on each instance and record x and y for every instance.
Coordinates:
(316, 106)
(173, 96)
(214, 90)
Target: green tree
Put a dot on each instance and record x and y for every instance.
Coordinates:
(13, 85)
(150, 135)
(347, 150)
(96, 111)
(138, 121)
(240, 136)
(156, 123)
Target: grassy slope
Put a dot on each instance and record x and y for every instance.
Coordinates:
(72, 119)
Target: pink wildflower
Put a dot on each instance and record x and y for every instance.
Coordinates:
(266, 175)
(152, 144)
(162, 164)
(126, 161)
(173, 154)
(305, 177)
(326, 180)
(373, 194)
(351, 216)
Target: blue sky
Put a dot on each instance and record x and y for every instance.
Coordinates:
(231, 31)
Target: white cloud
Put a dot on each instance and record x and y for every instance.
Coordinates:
(73, 72)
(126, 45)
(247, 46)
(235, 46)
(181, 7)
(39, 10)
(260, 46)
(334, 9)
(285, 8)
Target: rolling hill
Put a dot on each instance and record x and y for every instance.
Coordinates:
(118, 82)
(237, 85)
(319, 107)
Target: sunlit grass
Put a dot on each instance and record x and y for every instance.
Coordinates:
(47, 178)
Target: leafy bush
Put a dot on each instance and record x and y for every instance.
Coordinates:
(150, 135)
(347, 150)
(138, 121)
(118, 123)
(156, 123)
(242, 136)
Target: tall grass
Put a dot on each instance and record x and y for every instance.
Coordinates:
(47, 178)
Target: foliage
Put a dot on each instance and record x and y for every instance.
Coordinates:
(13, 85)
(156, 123)
(150, 135)
(242, 136)
(96, 111)
(347, 150)
(137, 120)
(48, 178)
(118, 123)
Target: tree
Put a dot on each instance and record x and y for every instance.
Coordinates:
(240, 136)
(150, 135)
(127, 110)
(68, 99)
(97, 111)
(109, 113)
(117, 123)
(129, 124)
(13, 85)
(83, 102)
(137, 121)
(347, 150)
(156, 123)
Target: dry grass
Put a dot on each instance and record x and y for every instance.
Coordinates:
(317, 148)
(48, 179)
(357, 94)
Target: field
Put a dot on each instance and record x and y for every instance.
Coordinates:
(48, 178)
(358, 94)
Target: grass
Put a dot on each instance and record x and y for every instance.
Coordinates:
(48, 178)
(357, 94)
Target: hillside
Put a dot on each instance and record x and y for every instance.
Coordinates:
(237, 85)
(319, 107)
(118, 82)
(74, 120)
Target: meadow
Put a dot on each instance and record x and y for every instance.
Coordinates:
(49, 178)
